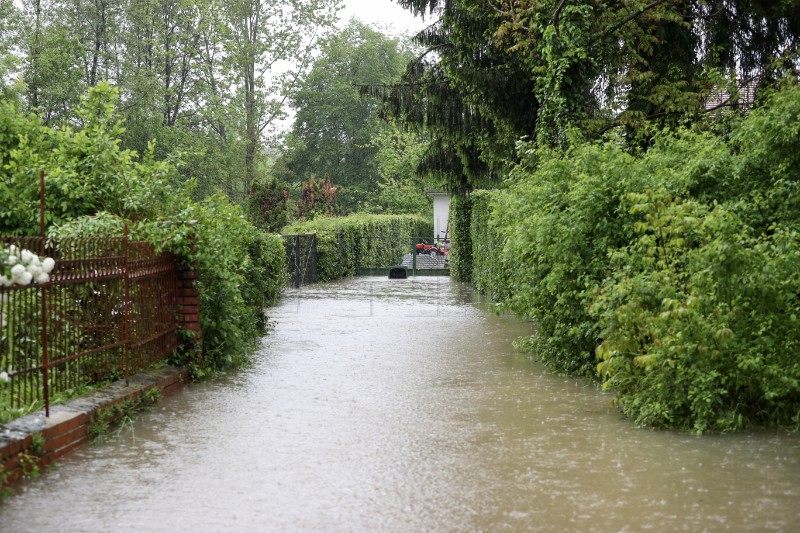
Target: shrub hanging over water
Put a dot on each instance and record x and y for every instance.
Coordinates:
(677, 270)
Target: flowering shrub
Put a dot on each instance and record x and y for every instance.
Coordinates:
(23, 267)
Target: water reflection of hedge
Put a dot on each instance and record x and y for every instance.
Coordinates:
(346, 244)
(678, 270)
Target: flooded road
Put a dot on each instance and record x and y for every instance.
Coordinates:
(378, 405)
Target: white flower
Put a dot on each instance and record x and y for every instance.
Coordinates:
(4, 377)
(16, 273)
(26, 267)
(20, 276)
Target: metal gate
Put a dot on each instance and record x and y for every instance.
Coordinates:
(301, 258)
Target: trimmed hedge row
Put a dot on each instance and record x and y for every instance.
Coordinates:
(460, 254)
(673, 276)
(489, 274)
(347, 244)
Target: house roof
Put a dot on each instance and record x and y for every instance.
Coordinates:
(743, 95)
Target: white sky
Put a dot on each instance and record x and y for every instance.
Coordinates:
(386, 15)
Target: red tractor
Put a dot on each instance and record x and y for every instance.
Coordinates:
(431, 249)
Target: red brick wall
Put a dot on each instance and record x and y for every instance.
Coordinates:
(68, 428)
(189, 301)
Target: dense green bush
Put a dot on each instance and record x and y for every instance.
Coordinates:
(241, 269)
(559, 223)
(85, 169)
(678, 268)
(700, 321)
(490, 272)
(460, 238)
(764, 173)
(95, 188)
(346, 244)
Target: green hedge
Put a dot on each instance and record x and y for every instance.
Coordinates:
(490, 272)
(347, 244)
(460, 238)
(673, 276)
(241, 272)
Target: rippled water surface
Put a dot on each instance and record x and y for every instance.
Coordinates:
(400, 405)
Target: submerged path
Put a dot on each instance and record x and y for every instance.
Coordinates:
(378, 405)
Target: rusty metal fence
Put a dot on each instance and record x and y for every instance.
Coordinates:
(109, 309)
(301, 258)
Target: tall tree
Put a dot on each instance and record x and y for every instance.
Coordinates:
(334, 126)
(495, 71)
(9, 32)
(210, 77)
(159, 70)
(474, 98)
(642, 63)
(271, 44)
(402, 189)
(68, 46)
(161, 47)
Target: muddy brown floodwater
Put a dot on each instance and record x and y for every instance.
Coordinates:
(401, 405)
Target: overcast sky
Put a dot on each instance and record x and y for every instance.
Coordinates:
(386, 14)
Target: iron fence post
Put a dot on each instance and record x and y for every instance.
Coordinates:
(297, 273)
(45, 358)
(313, 257)
(125, 305)
(413, 257)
